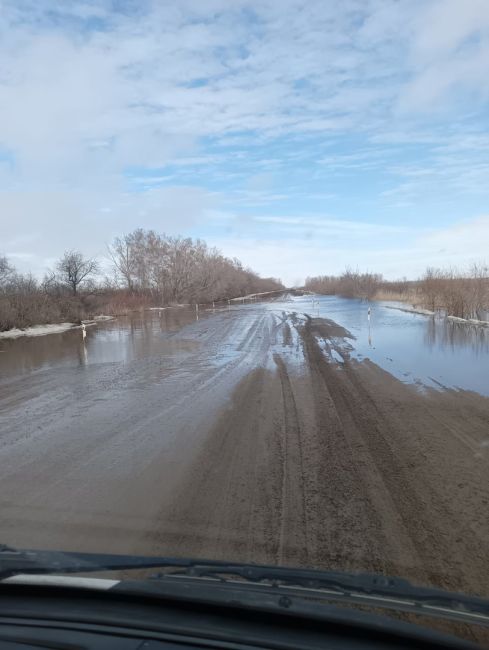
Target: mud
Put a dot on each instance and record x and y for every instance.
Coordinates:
(266, 441)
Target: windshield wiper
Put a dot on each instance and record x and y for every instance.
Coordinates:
(361, 587)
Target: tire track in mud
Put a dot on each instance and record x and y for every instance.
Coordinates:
(253, 498)
(425, 460)
(287, 335)
(252, 332)
(256, 447)
(305, 470)
(294, 538)
(360, 430)
(215, 512)
(156, 419)
(418, 523)
(352, 528)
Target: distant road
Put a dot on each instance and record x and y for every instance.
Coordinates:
(251, 445)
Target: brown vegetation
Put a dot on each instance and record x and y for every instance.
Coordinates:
(72, 270)
(148, 269)
(178, 269)
(457, 293)
(351, 284)
(463, 294)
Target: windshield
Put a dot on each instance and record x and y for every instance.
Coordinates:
(244, 283)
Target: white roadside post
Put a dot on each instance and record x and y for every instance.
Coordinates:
(369, 330)
(84, 332)
(197, 312)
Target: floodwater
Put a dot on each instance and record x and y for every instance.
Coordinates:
(137, 335)
(236, 438)
(424, 350)
(414, 348)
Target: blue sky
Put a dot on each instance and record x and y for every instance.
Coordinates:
(299, 136)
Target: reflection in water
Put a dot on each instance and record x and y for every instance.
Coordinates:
(448, 334)
(430, 333)
(140, 334)
(412, 347)
(82, 354)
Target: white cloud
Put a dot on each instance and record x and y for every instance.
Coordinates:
(459, 243)
(323, 224)
(47, 223)
(330, 252)
(90, 95)
(449, 51)
(132, 84)
(301, 258)
(64, 91)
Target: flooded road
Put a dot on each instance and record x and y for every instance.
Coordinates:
(423, 350)
(121, 340)
(415, 348)
(259, 432)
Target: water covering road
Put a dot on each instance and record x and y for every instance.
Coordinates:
(259, 432)
(414, 348)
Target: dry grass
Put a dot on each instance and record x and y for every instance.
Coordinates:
(411, 296)
(453, 292)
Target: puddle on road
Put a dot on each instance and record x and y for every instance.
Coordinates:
(414, 348)
(137, 335)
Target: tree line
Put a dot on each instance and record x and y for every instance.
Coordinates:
(350, 284)
(460, 293)
(452, 291)
(142, 268)
(177, 269)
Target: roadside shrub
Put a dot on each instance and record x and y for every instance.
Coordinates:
(464, 294)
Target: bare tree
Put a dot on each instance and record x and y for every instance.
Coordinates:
(123, 255)
(461, 293)
(73, 269)
(430, 286)
(6, 270)
(176, 269)
(479, 294)
(153, 267)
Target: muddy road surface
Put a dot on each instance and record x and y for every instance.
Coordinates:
(253, 435)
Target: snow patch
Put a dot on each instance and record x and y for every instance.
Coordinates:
(468, 321)
(427, 312)
(37, 330)
(103, 317)
(52, 328)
